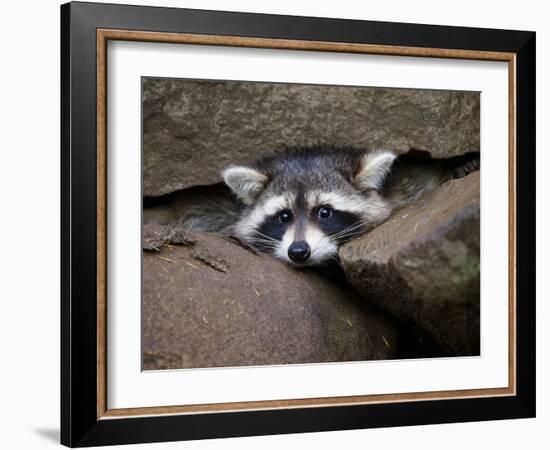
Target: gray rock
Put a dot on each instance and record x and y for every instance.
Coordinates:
(422, 265)
(211, 301)
(192, 128)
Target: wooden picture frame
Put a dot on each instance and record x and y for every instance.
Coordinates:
(86, 418)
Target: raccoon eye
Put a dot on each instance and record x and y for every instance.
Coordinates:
(285, 216)
(324, 212)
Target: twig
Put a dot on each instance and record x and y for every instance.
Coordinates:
(189, 264)
(166, 259)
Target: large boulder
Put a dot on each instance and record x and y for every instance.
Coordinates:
(192, 129)
(211, 301)
(423, 265)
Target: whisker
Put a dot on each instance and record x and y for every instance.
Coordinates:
(355, 228)
(350, 230)
(265, 236)
(265, 243)
(345, 237)
(353, 225)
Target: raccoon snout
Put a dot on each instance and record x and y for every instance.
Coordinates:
(299, 251)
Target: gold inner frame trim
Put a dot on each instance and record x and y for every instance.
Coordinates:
(103, 36)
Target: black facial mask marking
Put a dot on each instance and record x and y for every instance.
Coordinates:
(338, 221)
(273, 228)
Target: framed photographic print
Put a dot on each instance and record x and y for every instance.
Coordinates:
(276, 224)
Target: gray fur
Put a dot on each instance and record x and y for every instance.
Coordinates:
(369, 183)
(299, 171)
(205, 208)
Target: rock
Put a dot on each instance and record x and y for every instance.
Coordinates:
(422, 265)
(211, 301)
(192, 129)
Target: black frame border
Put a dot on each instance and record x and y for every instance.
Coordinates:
(79, 423)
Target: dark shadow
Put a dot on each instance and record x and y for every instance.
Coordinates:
(50, 434)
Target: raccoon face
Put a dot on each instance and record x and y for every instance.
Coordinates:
(300, 208)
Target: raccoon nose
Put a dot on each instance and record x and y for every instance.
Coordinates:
(299, 251)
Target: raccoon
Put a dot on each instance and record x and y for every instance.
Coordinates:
(302, 204)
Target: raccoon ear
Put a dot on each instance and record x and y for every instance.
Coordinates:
(373, 169)
(245, 182)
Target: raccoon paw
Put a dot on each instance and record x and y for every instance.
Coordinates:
(466, 168)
